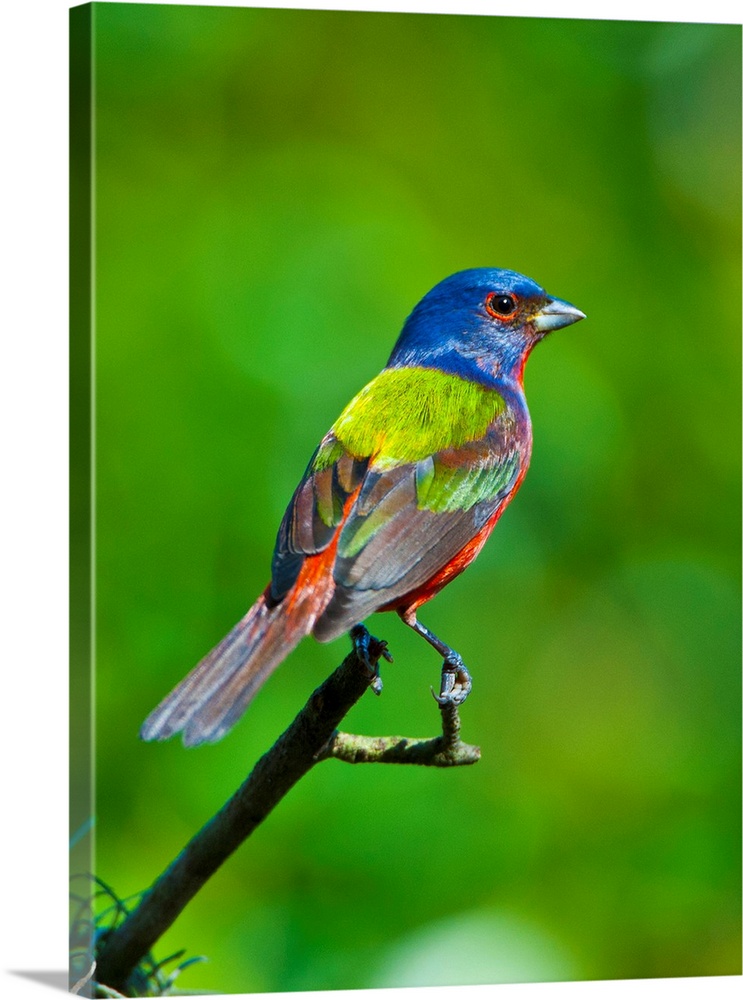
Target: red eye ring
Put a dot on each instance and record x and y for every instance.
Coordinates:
(501, 305)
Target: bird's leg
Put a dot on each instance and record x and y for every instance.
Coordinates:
(456, 682)
(370, 650)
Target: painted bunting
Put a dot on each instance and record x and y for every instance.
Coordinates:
(397, 500)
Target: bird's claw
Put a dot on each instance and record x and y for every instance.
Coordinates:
(456, 683)
(376, 684)
(370, 650)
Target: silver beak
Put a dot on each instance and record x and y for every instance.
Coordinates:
(556, 314)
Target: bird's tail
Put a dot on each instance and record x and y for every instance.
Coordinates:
(210, 700)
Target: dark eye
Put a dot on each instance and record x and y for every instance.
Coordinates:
(500, 306)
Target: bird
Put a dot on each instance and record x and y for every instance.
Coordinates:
(398, 498)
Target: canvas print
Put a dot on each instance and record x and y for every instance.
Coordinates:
(405, 510)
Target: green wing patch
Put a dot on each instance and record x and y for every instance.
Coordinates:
(443, 487)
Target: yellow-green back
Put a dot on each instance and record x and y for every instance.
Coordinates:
(407, 414)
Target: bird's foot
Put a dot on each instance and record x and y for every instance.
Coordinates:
(456, 682)
(370, 650)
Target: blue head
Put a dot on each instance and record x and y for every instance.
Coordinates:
(481, 324)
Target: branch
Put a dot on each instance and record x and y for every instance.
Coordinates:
(310, 738)
(446, 750)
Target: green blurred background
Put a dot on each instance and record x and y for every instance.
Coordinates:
(274, 192)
